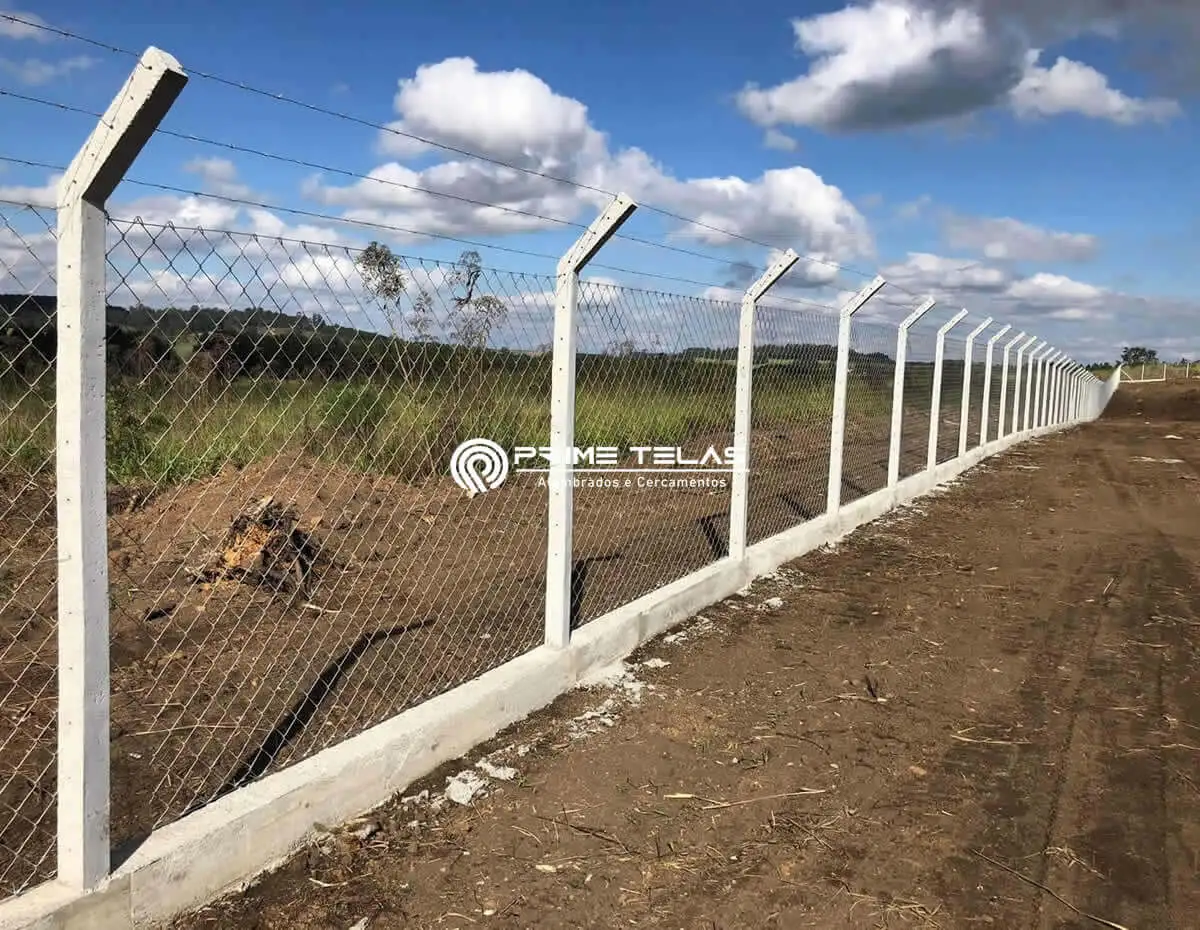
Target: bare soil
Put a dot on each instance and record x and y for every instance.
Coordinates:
(980, 712)
(217, 680)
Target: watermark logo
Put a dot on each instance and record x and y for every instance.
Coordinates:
(479, 465)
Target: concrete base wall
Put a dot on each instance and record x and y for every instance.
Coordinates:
(225, 845)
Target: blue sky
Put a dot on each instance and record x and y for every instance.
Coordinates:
(927, 140)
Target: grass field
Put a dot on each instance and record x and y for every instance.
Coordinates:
(168, 428)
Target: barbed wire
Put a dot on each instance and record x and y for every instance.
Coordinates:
(388, 182)
(381, 127)
(309, 214)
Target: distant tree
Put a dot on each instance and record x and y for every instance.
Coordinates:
(477, 313)
(1138, 355)
(623, 347)
(383, 277)
(422, 317)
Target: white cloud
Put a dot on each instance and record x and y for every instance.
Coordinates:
(1054, 290)
(42, 195)
(889, 63)
(923, 272)
(24, 30)
(515, 117)
(893, 63)
(219, 175)
(1072, 87)
(36, 71)
(914, 209)
(774, 139)
(1008, 239)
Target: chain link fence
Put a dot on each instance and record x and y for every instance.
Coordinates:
(868, 408)
(296, 551)
(795, 353)
(28, 568)
(291, 563)
(654, 372)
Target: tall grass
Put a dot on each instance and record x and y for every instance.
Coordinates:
(170, 429)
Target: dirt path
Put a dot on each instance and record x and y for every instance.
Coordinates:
(1000, 681)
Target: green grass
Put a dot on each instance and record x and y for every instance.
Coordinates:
(167, 431)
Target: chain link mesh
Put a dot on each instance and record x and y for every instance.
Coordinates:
(950, 412)
(291, 560)
(28, 547)
(795, 354)
(291, 563)
(868, 408)
(974, 395)
(918, 397)
(654, 370)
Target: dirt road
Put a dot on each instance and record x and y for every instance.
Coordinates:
(983, 712)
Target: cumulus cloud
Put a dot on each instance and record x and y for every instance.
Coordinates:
(516, 118)
(219, 175)
(888, 64)
(894, 63)
(781, 141)
(26, 29)
(44, 196)
(36, 71)
(1008, 239)
(1071, 87)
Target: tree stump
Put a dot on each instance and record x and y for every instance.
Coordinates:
(264, 546)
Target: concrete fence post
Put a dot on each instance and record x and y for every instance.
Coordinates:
(560, 498)
(1002, 417)
(1018, 378)
(837, 431)
(743, 402)
(1032, 360)
(894, 443)
(82, 511)
(1042, 392)
(988, 363)
(935, 404)
(1064, 391)
(1051, 387)
(1052, 412)
(965, 412)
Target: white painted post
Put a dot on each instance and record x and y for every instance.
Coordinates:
(1039, 389)
(1052, 394)
(1002, 417)
(935, 406)
(1063, 413)
(1052, 399)
(989, 355)
(82, 510)
(1073, 393)
(1046, 387)
(743, 403)
(837, 433)
(1039, 349)
(1019, 374)
(964, 414)
(898, 390)
(559, 551)
(1035, 384)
